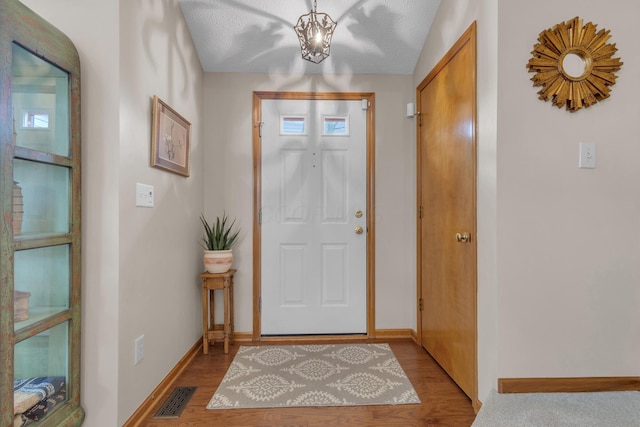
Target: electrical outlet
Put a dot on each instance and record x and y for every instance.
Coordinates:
(139, 349)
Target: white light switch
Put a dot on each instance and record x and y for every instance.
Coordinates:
(144, 195)
(587, 155)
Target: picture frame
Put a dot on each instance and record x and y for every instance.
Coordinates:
(170, 139)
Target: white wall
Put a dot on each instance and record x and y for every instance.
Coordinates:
(134, 281)
(452, 20)
(229, 174)
(160, 256)
(569, 265)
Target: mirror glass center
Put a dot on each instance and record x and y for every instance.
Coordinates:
(574, 65)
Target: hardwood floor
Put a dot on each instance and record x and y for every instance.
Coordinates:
(443, 403)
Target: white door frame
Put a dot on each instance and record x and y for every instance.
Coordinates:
(257, 197)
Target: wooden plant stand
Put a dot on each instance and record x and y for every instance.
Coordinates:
(210, 331)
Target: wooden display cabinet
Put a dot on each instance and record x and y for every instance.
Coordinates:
(40, 231)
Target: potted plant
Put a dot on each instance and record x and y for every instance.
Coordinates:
(219, 237)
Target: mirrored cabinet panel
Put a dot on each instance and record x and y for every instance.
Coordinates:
(40, 239)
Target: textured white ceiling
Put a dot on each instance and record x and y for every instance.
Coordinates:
(257, 36)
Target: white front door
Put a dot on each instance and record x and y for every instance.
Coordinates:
(314, 186)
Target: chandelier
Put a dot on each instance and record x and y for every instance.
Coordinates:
(314, 31)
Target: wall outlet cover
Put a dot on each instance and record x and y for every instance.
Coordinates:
(139, 349)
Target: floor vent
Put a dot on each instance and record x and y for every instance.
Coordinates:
(176, 402)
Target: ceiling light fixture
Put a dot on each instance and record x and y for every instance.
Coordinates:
(314, 31)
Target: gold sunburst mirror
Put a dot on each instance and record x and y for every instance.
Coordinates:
(574, 65)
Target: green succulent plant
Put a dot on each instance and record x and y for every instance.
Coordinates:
(218, 236)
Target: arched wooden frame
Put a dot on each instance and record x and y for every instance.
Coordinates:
(557, 84)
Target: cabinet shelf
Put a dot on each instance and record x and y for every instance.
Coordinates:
(38, 240)
(42, 157)
(37, 314)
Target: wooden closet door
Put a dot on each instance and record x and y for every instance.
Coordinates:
(447, 197)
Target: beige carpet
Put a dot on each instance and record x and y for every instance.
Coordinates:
(603, 409)
(313, 375)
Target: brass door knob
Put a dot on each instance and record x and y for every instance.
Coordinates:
(463, 237)
(358, 230)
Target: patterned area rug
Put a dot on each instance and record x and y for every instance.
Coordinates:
(313, 375)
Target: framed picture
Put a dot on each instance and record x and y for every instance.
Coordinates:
(170, 139)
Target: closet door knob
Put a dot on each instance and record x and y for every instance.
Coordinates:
(463, 237)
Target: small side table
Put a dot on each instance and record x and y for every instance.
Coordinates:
(210, 331)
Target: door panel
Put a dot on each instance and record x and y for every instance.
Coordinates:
(313, 269)
(335, 287)
(335, 186)
(292, 275)
(447, 192)
(294, 197)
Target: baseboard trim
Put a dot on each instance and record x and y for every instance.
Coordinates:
(306, 339)
(243, 336)
(378, 334)
(394, 334)
(141, 413)
(567, 385)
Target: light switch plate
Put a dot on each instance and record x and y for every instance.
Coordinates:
(587, 155)
(144, 195)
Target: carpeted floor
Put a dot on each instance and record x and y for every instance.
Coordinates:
(611, 409)
(313, 375)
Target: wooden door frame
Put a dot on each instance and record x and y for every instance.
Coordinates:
(469, 36)
(257, 200)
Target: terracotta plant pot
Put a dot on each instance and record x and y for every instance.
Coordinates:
(218, 261)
